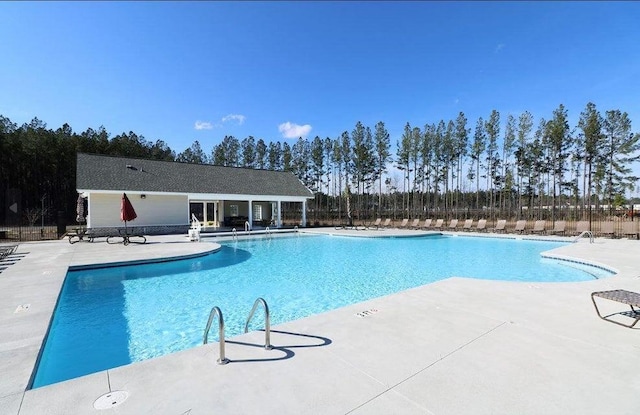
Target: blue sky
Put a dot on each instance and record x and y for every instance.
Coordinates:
(187, 71)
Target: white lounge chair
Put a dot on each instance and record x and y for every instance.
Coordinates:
(538, 227)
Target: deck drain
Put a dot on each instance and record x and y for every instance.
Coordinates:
(366, 313)
(110, 400)
(22, 307)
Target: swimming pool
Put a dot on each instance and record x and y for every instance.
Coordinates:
(109, 317)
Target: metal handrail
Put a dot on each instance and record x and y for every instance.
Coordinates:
(222, 360)
(267, 322)
(589, 233)
(247, 226)
(234, 232)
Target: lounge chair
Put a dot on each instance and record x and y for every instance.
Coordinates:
(6, 250)
(126, 235)
(481, 226)
(521, 226)
(453, 224)
(582, 226)
(438, 225)
(467, 225)
(538, 227)
(386, 223)
(500, 226)
(559, 228)
(606, 229)
(375, 224)
(404, 224)
(427, 224)
(415, 223)
(621, 296)
(630, 229)
(94, 233)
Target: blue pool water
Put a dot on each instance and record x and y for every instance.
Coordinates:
(114, 316)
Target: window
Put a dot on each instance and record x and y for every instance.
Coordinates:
(233, 210)
(257, 212)
(197, 209)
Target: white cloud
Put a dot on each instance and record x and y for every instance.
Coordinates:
(203, 125)
(499, 47)
(239, 118)
(291, 130)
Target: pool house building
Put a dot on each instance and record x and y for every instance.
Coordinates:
(166, 195)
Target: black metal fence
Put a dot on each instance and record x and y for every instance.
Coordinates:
(30, 233)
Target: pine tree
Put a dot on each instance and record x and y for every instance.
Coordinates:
(477, 150)
(591, 141)
(382, 156)
(622, 148)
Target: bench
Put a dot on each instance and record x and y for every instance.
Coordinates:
(235, 221)
(621, 296)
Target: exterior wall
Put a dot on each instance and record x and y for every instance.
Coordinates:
(154, 210)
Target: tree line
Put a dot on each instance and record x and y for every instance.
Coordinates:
(519, 168)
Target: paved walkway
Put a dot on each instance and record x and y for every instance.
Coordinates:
(456, 346)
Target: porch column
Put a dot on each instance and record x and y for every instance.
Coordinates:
(279, 222)
(250, 214)
(304, 213)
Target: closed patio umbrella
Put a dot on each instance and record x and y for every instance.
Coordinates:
(80, 209)
(127, 213)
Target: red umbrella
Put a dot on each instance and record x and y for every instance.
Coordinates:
(127, 212)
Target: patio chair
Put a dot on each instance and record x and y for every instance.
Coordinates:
(607, 229)
(582, 226)
(453, 224)
(467, 225)
(404, 224)
(415, 223)
(521, 226)
(375, 224)
(559, 228)
(386, 223)
(7, 250)
(427, 224)
(630, 229)
(538, 227)
(501, 226)
(481, 226)
(438, 225)
(621, 296)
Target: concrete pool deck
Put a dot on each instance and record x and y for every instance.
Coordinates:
(457, 346)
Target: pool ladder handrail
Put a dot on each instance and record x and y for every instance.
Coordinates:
(585, 233)
(234, 233)
(222, 360)
(247, 227)
(267, 322)
(267, 232)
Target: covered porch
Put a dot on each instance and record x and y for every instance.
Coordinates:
(218, 213)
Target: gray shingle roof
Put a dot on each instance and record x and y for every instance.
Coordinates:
(96, 172)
